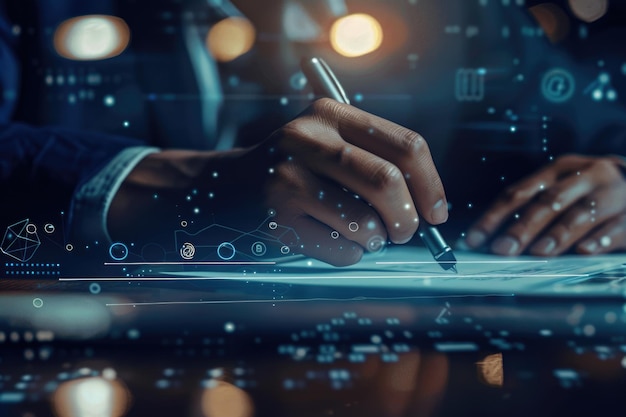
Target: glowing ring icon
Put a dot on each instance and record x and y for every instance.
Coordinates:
(118, 251)
(285, 250)
(49, 228)
(558, 85)
(334, 234)
(31, 228)
(258, 248)
(187, 251)
(228, 246)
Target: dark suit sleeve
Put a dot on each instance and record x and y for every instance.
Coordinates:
(42, 168)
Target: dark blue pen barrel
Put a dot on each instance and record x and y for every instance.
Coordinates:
(437, 245)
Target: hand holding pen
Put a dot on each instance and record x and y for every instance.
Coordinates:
(309, 172)
(324, 82)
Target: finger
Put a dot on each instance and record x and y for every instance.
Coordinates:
(611, 236)
(402, 147)
(410, 153)
(595, 209)
(376, 180)
(346, 215)
(543, 211)
(318, 241)
(506, 204)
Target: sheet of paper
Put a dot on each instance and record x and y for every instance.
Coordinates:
(414, 268)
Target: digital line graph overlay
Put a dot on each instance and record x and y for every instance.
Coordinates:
(212, 245)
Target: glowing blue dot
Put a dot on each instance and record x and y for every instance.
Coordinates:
(109, 100)
(215, 174)
(513, 129)
(597, 94)
(604, 78)
(196, 210)
(126, 123)
(358, 97)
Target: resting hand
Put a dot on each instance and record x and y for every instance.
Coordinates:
(576, 202)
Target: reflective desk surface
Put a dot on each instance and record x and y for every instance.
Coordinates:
(253, 349)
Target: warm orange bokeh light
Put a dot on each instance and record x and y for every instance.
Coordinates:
(230, 38)
(356, 35)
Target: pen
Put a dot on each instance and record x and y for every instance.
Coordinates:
(323, 81)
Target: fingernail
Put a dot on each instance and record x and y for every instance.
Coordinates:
(589, 245)
(545, 245)
(505, 245)
(475, 238)
(439, 214)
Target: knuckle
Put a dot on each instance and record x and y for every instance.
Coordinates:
(295, 129)
(513, 194)
(607, 169)
(412, 142)
(386, 176)
(341, 154)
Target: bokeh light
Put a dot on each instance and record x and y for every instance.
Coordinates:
(230, 38)
(222, 399)
(553, 20)
(589, 10)
(356, 35)
(491, 370)
(91, 37)
(91, 396)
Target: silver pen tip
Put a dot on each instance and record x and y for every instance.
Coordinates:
(453, 269)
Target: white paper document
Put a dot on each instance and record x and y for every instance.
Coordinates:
(414, 268)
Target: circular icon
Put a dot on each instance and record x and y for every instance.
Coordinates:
(31, 228)
(118, 251)
(37, 302)
(69, 247)
(284, 250)
(49, 228)
(187, 251)
(558, 85)
(273, 225)
(334, 234)
(183, 223)
(353, 226)
(258, 248)
(375, 244)
(94, 288)
(226, 251)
